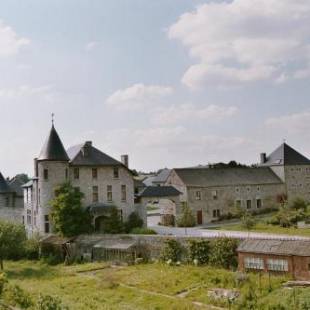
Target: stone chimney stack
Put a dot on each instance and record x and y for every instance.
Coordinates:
(263, 158)
(125, 160)
(86, 149)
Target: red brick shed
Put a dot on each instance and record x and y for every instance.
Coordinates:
(276, 256)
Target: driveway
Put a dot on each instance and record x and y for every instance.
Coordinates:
(200, 232)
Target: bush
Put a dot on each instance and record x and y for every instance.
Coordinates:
(47, 302)
(3, 281)
(223, 253)
(143, 231)
(172, 251)
(298, 204)
(15, 296)
(187, 218)
(112, 224)
(31, 248)
(134, 221)
(199, 250)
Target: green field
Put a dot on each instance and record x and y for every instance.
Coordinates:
(149, 286)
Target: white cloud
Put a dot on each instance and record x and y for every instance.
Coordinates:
(90, 46)
(137, 96)
(24, 91)
(245, 41)
(188, 112)
(10, 42)
(297, 123)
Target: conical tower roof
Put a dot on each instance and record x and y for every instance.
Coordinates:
(53, 148)
(4, 186)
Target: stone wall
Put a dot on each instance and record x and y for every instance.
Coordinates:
(13, 211)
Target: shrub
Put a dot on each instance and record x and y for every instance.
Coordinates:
(187, 218)
(249, 300)
(143, 231)
(134, 221)
(3, 281)
(223, 253)
(199, 250)
(172, 251)
(112, 223)
(47, 302)
(31, 248)
(15, 296)
(298, 204)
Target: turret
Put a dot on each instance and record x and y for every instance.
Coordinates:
(52, 169)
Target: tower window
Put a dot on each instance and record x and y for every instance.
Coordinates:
(95, 194)
(124, 193)
(45, 174)
(76, 173)
(94, 173)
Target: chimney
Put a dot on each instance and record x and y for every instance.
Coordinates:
(263, 158)
(125, 160)
(86, 149)
(36, 170)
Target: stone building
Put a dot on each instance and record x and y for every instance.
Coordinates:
(11, 200)
(276, 257)
(103, 180)
(212, 192)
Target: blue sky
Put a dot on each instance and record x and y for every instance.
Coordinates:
(170, 82)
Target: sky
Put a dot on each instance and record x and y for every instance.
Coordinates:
(172, 83)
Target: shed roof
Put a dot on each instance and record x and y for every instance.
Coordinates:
(276, 247)
(159, 191)
(286, 155)
(206, 177)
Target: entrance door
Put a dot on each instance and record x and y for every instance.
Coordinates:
(199, 217)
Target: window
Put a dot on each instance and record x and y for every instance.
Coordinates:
(46, 224)
(123, 192)
(29, 217)
(248, 189)
(277, 265)
(7, 200)
(94, 173)
(238, 203)
(253, 263)
(95, 194)
(216, 213)
(249, 204)
(66, 173)
(115, 173)
(214, 194)
(45, 174)
(109, 193)
(237, 190)
(258, 203)
(76, 173)
(258, 188)
(198, 195)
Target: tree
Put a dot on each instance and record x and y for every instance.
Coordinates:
(248, 221)
(134, 221)
(68, 216)
(187, 218)
(12, 239)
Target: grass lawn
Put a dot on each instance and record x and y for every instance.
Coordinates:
(267, 228)
(150, 286)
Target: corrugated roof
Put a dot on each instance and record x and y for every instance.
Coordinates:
(4, 186)
(286, 155)
(159, 191)
(276, 247)
(53, 148)
(87, 155)
(207, 177)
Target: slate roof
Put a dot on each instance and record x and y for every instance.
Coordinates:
(4, 186)
(162, 176)
(286, 155)
(276, 247)
(208, 177)
(17, 186)
(53, 148)
(159, 191)
(93, 157)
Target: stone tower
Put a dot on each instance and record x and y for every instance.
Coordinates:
(51, 169)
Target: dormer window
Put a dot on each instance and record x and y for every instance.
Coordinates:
(45, 174)
(115, 172)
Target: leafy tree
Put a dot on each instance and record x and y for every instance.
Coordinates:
(187, 218)
(112, 222)
(12, 238)
(199, 250)
(134, 221)
(298, 204)
(223, 253)
(68, 216)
